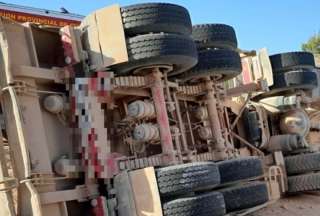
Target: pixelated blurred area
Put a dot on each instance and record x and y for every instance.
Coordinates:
(88, 97)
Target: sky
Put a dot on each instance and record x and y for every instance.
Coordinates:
(279, 25)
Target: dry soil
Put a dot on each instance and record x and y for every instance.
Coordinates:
(298, 205)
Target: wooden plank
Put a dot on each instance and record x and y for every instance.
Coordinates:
(266, 66)
(104, 37)
(111, 35)
(41, 75)
(145, 192)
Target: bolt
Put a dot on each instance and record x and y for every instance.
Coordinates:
(94, 202)
(68, 60)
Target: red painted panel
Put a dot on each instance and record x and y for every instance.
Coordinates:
(39, 19)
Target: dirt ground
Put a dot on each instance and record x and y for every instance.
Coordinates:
(298, 205)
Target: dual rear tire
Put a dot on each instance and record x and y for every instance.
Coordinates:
(217, 55)
(292, 72)
(157, 34)
(303, 172)
(184, 187)
(160, 34)
(220, 64)
(178, 51)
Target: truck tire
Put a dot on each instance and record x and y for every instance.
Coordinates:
(245, 196)
(302, 163)
(306, 182)
(300, 79)
(209, 204)
(287, 83)
(286, 61)
(185, 178)
(223, 64)
(178, 51)
(240, 169)
(156, 18)
(214, 36)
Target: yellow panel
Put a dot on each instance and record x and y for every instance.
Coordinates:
(111, 35)
(104, 37)
(145, 192)
(266, 66)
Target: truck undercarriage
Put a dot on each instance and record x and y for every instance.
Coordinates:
(137, 112)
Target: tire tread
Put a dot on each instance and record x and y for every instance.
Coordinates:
(305, 182)
(303, 163)
(186, 178)
(209, 204)
(240, 169)
(156, 18)
(214, 36)
(286, 61)
(245, 196)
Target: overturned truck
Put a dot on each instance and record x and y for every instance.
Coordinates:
(137, 112)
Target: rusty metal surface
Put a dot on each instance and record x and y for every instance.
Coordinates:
(219, 142)
(130, 82)
(162, 116)
(191, 90)
(138, 163)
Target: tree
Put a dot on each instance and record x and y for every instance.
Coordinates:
(313, 44)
